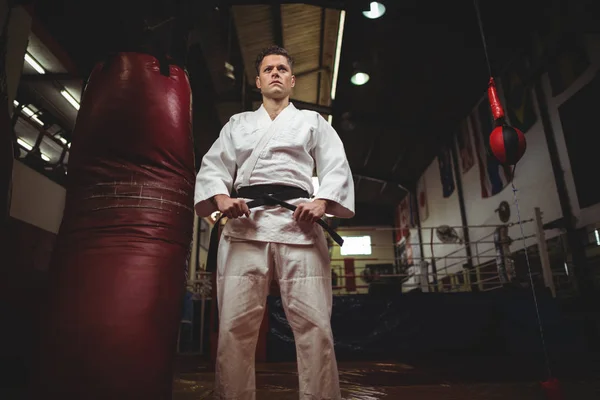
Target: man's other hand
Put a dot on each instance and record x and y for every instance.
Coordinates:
(310, 211)
(231, 208)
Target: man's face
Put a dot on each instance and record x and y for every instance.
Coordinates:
(275, 79)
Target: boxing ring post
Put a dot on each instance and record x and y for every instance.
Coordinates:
(193, 264)
(434, 271)
(477, 270)
(202, 317)
(543, 249)
(201, 286)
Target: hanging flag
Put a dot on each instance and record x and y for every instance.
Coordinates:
(398, 223)
(465, 146)
(413, 210)
(492, 176)
(518, 96)
(446, 173)
(403, 219)
(422, 199)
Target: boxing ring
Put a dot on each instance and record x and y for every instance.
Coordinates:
(444, 279)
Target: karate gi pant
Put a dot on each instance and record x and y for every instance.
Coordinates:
(244, 273)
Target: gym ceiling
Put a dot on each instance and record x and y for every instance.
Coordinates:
(425, 61)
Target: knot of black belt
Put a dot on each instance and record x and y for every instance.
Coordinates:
(264, 195)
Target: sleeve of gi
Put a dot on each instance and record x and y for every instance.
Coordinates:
(335, 177)
(217, 173)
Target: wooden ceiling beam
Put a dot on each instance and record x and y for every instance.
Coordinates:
(277, 26)
(48, 77)
(321, 43)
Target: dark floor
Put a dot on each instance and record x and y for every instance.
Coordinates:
(385, 380)
(194, 378)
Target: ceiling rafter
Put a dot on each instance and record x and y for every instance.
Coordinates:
(48, 77)
(321, 43)
(322, 69)
(277, 27)
(388, 181)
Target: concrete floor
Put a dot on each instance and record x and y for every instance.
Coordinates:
(374, 381)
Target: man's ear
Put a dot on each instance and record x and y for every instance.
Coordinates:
(293, 80)
(258, 82)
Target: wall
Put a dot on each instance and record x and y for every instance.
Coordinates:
(382, 253)
(36, 199)
(35, 216)
(534, 179)
(591, 214)
(441, 211)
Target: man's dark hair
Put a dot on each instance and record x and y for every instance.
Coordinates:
(270, 51)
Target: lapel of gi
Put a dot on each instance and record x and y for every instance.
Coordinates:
(284, 118)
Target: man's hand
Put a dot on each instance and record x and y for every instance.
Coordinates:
(310, 211)
(231, 208)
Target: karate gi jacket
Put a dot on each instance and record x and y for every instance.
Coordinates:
(252, 149)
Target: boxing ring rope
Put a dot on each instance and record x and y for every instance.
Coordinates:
(476, 273)
(388, 228)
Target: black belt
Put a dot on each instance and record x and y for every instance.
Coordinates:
(264, 195)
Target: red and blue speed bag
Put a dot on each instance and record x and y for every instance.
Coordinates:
(508, 144)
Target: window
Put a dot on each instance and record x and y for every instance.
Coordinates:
(356, 246)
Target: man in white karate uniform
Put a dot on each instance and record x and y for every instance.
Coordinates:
(268, 154)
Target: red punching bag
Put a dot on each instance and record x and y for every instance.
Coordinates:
(506, 142)
(117, 272)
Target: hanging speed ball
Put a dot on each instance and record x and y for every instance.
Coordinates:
(507, 144)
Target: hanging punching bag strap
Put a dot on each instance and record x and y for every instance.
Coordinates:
(163, 64)
(161, 58)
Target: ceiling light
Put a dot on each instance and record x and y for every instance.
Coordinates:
(45, 157)
(30, 60)
(376, 10)
(16, 103)
(62, 139)
(70, 99)
(229, 71)
(338, 51)
(330, 119)
(23, 143)
(360, 78)
(27, 111)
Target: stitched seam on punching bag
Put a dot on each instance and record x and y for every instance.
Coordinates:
(136, 206)
(121, 196)
(135, 184)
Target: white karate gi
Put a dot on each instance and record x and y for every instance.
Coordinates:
(252, 149)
